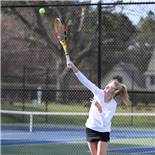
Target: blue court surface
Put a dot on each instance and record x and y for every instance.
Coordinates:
(123, 140)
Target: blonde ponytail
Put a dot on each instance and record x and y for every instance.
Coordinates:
(124, 93)
(121, 90)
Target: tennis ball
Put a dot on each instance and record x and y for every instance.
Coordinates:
(42, 11)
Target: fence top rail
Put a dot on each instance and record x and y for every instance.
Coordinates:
(79, 4)
(70, 113)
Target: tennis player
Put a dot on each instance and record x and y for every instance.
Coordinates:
(103, 107)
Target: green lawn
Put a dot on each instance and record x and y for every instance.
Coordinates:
(118, 121)
(138, 121)
(52, 107)
(76, 107)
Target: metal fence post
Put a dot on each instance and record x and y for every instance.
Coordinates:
(23, 88)
(47, 92)
(99, 43)
(132, 88)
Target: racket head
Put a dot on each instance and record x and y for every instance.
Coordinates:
(64, 27)
(60, 30)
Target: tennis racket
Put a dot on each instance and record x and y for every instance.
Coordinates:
(60, 29)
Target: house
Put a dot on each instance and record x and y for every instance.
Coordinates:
(150, 74)
(128, 74)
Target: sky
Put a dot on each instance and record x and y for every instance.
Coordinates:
(134, 12)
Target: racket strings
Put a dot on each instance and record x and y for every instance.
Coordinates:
(61, 32)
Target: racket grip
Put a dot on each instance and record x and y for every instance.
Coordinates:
(68, 61)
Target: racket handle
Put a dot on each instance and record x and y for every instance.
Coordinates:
(68, 60)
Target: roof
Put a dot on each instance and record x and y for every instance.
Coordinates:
(151, 66)
(133, 73)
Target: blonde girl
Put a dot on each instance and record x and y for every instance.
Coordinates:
(102, 110)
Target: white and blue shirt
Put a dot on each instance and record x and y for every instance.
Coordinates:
(98, 121)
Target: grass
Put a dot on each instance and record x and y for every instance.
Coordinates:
(142, 121)
(76, 107)
(52, 107)
(118, 121)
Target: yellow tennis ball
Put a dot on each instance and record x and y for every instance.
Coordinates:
(42, 11)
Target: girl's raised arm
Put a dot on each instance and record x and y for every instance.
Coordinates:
(87, 83)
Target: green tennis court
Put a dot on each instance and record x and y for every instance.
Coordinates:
(127, 146)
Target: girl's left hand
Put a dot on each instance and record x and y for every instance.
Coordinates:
(94, 101)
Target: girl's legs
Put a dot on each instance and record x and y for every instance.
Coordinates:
(102, 148)
(93, 147)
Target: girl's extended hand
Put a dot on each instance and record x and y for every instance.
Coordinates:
(68, 61)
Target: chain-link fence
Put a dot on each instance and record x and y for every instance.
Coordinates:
(106, 41)
(103, 41)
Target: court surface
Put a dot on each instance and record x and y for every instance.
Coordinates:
(70, 140)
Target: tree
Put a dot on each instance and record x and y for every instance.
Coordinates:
(38, 33)
(147, 24)
(144, 41)
(118, 30)
(35, 32)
